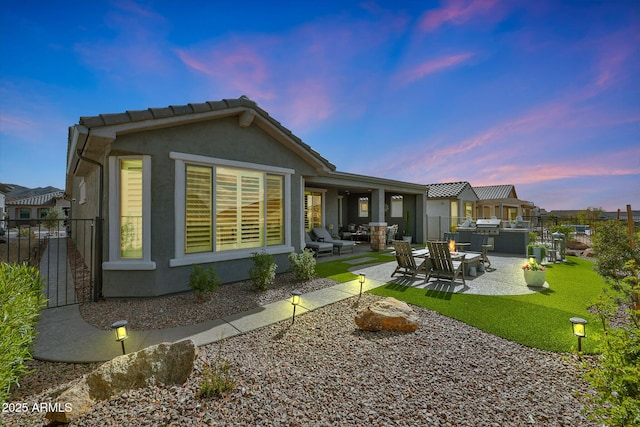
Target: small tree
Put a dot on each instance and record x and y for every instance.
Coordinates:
(616, 378)
(53, 218)
(263, 271)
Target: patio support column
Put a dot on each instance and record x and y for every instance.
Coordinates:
(377, 226)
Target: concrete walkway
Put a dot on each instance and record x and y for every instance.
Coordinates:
(64, 336)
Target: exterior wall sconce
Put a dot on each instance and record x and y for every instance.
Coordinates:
(121, 332)
(361, 278)
(579, 327)
(295, 300)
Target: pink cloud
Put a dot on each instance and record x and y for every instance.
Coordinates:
(456, 12)
(419, 71)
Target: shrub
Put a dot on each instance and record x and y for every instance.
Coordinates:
(21, 298)
(216, 378)
(303, 264)
(203, 281)
(263, 271)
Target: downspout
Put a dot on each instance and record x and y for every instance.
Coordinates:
(97, 291)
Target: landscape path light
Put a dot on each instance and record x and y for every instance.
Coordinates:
(579, 326)
(361, 278)
(295, 300)
(121, 332)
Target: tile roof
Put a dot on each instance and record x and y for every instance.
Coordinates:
(133, 116)
(40, 200)
(491, 192)
(446, 189)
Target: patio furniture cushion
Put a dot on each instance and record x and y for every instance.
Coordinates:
(339, 245)
(317, 247)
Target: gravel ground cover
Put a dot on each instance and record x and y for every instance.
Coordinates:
(181, 309)
(322, 371)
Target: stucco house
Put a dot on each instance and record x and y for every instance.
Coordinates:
(211, 184)
(29, 210)
(448, 204)
(502, 202)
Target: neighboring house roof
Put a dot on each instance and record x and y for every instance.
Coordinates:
(493, 192)
(40, 200)
(447, 189)
(93, 133)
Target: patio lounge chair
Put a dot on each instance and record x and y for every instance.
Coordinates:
(406, 262)
(317, 247)
(442, 265)
(323, 236)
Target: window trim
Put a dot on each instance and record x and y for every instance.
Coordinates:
(395, 200)
(181, 258)
(115, 262)
(363, 213)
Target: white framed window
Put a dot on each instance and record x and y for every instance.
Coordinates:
(363, 207)
(129, 214)
(397, 206)
(313, 209)
(227, 209)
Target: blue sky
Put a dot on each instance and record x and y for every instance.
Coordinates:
(544, 95)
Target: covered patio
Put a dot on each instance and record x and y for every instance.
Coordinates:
(338, 200)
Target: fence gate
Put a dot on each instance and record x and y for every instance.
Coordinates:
(64, 250)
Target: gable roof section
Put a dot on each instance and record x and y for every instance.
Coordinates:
(493, 192)
(94, 133)
(446, 190)
(40, 200)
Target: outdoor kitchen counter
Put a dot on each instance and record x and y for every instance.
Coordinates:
(506, 241)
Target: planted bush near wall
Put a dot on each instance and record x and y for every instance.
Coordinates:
(303, 264)
(263, 272)
(21, 299)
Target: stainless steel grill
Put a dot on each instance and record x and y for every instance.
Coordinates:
(488, 226)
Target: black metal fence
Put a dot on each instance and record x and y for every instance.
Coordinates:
(64, 251)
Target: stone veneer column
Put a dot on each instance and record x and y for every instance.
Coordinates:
(378, 232)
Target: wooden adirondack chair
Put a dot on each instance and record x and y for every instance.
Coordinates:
(406, 262)
(442, 265)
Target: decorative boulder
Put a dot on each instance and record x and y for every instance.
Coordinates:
(164, 363)
(387, 314)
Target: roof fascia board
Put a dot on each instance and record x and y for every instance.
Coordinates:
(369, 182)
(247, 116)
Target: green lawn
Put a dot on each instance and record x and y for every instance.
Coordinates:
(539, 320)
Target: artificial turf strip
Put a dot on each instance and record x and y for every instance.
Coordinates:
(338, 269)
(539, 320)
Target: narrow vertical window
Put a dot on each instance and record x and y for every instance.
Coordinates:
(363, 207)
(199, 214)
(131, 209)
(312, 210)
(275, 210)
(397, 206)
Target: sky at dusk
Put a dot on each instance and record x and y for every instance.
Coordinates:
(544, 95)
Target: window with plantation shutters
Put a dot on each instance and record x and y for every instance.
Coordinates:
(247, 216)
(199, 213)
(275, 210)
(227, 209)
